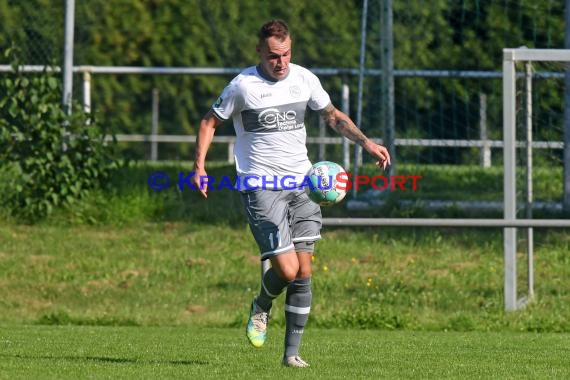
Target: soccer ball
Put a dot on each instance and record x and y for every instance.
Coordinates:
(322, 185)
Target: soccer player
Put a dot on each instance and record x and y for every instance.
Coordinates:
(267, 105)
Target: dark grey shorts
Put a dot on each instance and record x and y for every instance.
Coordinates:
(282, 220)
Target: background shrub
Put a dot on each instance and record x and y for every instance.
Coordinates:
(48, 157)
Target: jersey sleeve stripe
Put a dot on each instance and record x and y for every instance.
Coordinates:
(217, 114)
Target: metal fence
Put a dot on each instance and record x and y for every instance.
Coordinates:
(484, 144)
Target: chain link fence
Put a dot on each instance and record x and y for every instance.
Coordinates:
(442, 117)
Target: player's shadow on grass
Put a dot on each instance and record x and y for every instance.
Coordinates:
(105, 359)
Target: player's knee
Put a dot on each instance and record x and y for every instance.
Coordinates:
(305, 264)
(286, 265)
(305, 271)
(287, 271)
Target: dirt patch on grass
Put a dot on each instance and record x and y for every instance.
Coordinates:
(195, 309)
(463, 265)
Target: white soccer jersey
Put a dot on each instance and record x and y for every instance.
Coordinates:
(269, 120)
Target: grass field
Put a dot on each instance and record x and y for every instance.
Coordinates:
(199, 274)
(134, 283)
(72, 352)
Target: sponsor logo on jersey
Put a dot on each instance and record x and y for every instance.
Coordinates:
(275, 119)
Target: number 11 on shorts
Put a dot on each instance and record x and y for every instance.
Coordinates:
(274, 240)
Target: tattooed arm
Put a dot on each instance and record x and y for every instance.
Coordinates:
(342, 124)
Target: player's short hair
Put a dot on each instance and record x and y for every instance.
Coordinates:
(274, 28)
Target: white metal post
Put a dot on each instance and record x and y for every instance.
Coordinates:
(345, 106)
(322, 147)
(484, 137)
(68, 65)
(529, 188)
(87, 93)
(68, 55)
(358, 148)
(509, 180)
(231, 154)
(154, 125)
(388, 96)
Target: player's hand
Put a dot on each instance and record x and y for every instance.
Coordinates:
(197, 181)
(380, 152)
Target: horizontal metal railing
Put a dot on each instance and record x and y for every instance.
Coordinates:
(447, 222)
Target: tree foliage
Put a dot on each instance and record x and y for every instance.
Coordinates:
(49, 158)
(435, 34)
